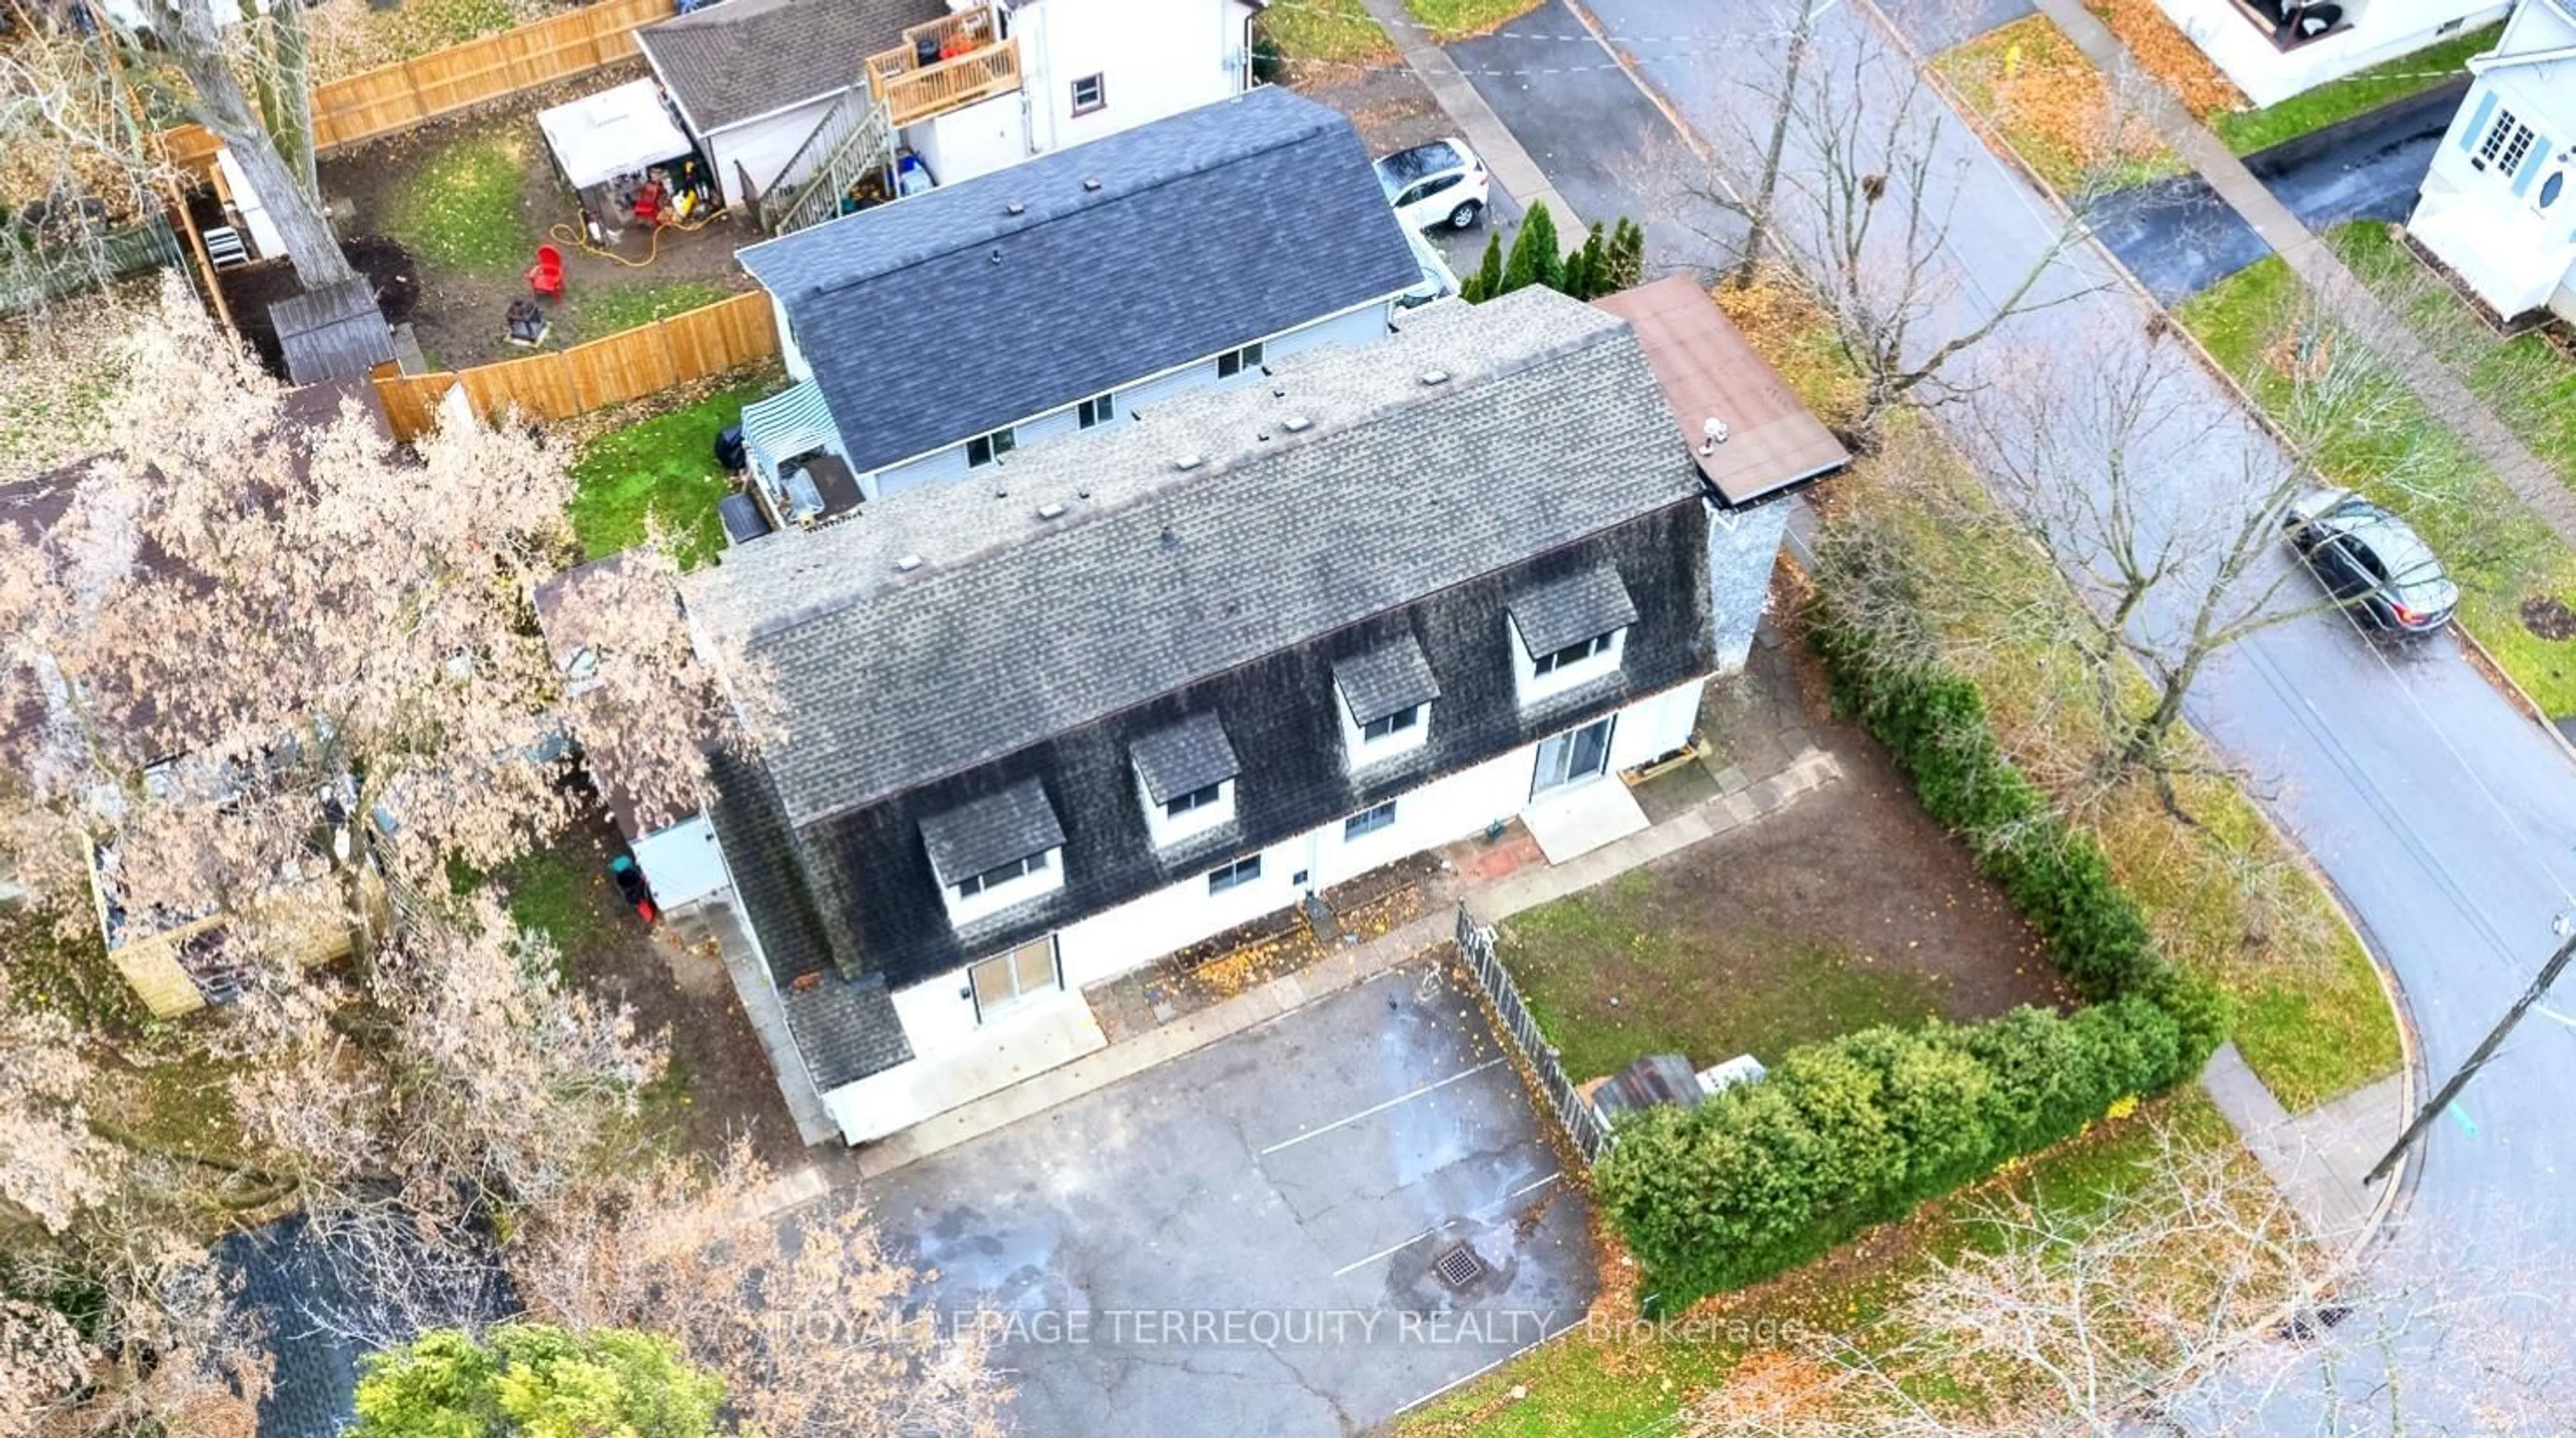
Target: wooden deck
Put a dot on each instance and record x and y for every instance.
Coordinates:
(974, 63)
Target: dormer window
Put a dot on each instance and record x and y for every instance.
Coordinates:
(996, 852)
(1568, 632)
(1386, 698)
(1185, 778)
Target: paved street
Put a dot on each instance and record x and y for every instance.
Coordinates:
(2442, 814)
(1240, 1241)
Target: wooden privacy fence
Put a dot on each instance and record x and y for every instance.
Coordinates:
(1574, 1113)
(398, 96)
(628, 365)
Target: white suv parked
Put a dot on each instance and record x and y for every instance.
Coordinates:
(1441, 183)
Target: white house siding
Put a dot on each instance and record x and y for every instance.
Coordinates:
(798, 371)
(2381, 30)
(2489, 226)
(947, 466)
(763, 146)
(939, 1020)
(1742, 545)
(1154, 57)
(977, 140)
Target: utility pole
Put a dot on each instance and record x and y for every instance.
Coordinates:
(2540, 983)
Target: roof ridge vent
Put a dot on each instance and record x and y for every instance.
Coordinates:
(1189, 461)
(905, 564)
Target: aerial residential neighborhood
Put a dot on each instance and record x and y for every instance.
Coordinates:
(1425, 717)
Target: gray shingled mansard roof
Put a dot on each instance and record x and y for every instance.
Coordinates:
(1386, 679)
(982, 836)
(737, 61)
(1184, 758)
(1583, 605)
(945, 315)
(1479, 437)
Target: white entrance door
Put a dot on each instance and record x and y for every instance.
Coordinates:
(1573, 756)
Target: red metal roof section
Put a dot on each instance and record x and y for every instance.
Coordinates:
(1707, 371)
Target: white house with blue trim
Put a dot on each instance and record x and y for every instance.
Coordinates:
(2496, 208)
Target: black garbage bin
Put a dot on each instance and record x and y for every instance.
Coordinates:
(729, 452)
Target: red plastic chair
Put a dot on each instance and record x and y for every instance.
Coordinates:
(546, 275)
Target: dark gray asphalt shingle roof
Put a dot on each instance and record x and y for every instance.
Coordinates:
(1581, 606)
(944, 316)
(982, 836)
(334, 333)
(1548, 428)
(1385, 680)
(736, 61)
(1184, 758)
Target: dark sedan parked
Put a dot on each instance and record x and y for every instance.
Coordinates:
(2367, 558)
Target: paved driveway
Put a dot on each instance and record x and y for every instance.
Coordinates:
(1239, 1241)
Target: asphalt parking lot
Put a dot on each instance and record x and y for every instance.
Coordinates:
(1243, 1240)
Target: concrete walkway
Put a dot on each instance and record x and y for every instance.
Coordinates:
(2317, 1158)
(1484, 131)
(2332, 281)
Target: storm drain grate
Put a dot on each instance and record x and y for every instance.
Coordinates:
(1458, 1267)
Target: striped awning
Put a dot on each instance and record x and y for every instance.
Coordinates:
(786, 425)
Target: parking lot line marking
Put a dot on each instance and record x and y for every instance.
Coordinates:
(1345, 1269)
(1465, 1378)
(1389, 1252)
(1377, 1108)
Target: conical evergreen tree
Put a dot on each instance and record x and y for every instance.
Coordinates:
(1537, 258)
(1487, 279)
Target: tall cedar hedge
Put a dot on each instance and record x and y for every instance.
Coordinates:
(1860, 1129)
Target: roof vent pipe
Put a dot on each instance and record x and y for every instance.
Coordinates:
(1296, 424)
(1091, 182)
(1015, 208)
(1188, 461)
(1712, 434)
(1435, 376)
(1050, 511)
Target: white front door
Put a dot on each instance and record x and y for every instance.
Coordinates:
(1573, 756)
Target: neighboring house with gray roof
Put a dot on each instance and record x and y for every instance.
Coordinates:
(931, 338)
(1169, 677)
(965, 89)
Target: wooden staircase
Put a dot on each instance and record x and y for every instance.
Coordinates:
(854, 140)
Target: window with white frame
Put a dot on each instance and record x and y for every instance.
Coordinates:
(1206, 798)
(1571, 654)
(1369, 821)
(994, 878)
(983, 449)
(1096, 411)
(1235, 875)
(2506, 143)
(1387, 726)
(1006, 979)
(1090, 93)
(1239, 361)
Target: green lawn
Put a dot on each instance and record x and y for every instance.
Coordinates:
(1625, 970)
(1452, 19)
(599, 311)
(2407, 458)
(461, 210)
(1325, 35)
(2247, 131)
(1602, 1384)
(665, 468)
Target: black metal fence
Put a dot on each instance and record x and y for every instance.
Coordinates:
(1583, 1127)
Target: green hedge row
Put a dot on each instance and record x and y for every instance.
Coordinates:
(1935, 724)
(1861, 1129)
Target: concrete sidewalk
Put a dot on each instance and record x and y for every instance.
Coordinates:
(2313, 261)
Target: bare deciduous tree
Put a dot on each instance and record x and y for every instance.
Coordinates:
(2192, 1299)
(1857, 195)
(252, 642)
(803, 1312)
